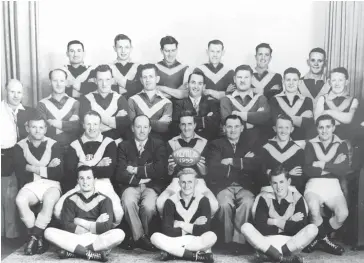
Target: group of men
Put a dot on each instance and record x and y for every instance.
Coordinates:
(274, 151)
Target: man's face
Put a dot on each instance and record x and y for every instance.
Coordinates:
(187, 126)
(169, 53)
(187, 183)
(263, 57)
(37, 129)
(86, 181)
(316, 62)
(215, 53)
(123, 49)
(58, 82)
(75, 54)
(338, 82)
(149, 79)
(196, 86)
(325, 130)
(91, 125)
(283, 129)
(243, 80)
(290, 82)
(280, 185)
(141, 128)
(104, 81)
(14, 93)
(233, 129)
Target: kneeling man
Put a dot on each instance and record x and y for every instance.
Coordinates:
(186, 223)
(280, 221)
(87, 219)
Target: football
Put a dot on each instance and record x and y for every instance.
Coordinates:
(186, 156)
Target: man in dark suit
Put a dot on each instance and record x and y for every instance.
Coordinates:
(206, 111)
(142, 162)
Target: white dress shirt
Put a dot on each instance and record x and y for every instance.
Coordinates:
(9, 129)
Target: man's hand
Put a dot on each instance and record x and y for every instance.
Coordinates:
(296, 171)
(200, 220)
(54, 123)
(177, 224)
(122, 90)
(231, 88)
(209, 114)
(103, 218)
(275, 87)
(201, 165)
(121, 113)
(340, 158)
(272, 221)
(54, 163)
(227, 161)
(76, 85)
(165, 118)
(206, 92)
(307, 114)
(106, 161)
(249, 155)
(297, 217)
(171, 165)
(261, 109)
(319, 164)
(130, 169)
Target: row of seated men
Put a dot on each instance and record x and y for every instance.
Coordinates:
(231, 171)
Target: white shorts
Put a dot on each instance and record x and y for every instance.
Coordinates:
(86, 239)
(278, 241)
(185, 240)
(325, 188)
(200, 186)
(39, 187)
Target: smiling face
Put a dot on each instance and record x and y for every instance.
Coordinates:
(123, 49)
(75, 54)
(325, 130)
(215, 53)
(141, 128)
(91, 125)
(36, 129)
(14, 93)
(283, 129)
(187, 126)
(58, 82)
(280, 185)
(263, 57)
(233, 128)
(196, 86)
(187, 183)
(290, 82)
(149, 79)
(169, 53)
(86, 181)
(316, 62)
(104, 81)
(243, 80)
(338, 82)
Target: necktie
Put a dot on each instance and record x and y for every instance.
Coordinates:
(234, 146)
(140, 148)
(195, 105)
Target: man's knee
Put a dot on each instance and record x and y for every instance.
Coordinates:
(50, 233)
(156, 239)
(246, 228)
(21, 200)
(161, 200)
(51, 197)
(209, 238)
(311, 230)
(118, 236)
(248, 201)
(149, 208)
(341, 214)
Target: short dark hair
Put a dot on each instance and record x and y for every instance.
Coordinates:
(139, 115)
(121, 37)
(278, 171)
(35, 116)
(149, 66)
(317, 50)
(244, 67)
(187, 113)
(73, 42)
(215, 42)
(168, 40)
(325, 117)
(292, 70)
(340, 70)
(233, 117)
(84, 168)
(103, 68)
(263, 45)
(284, 116)
(57, 69)
(91, 113)
(197, 72)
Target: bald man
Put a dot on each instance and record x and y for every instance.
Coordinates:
(13, 116)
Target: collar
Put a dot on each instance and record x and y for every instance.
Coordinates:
(335, 139)
(275, 139)
(137, 143)
(175, 63)
(120, 61)
(250, 93)
(270, 194)
(19, 107)
(99, 138)
(65, 96)
(196, 136)
(309, 76)
(198, 99)
(264, 72)
(332, 96)
(81, 65)
(44, 141)
(284, 94)
(95, 194)
(157, 93)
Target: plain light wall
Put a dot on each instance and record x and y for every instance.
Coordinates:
(291, 28)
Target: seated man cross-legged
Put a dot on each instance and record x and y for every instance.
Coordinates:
(186, 223)
(86, 220)
(280, 222)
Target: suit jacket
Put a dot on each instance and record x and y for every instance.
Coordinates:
(152, 164)
(207, 126)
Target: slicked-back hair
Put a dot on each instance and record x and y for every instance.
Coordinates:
(35, 116)
(56, 69)
(103, 68)
(168, 40)
(244, 67)
(284, 116)
(91, 113)
(197, 72)
(149, 66)
(215, 42)
(340, 70)
(84, 168)
(292, 70)
(318, 50)
(73, 42)
(187, 113)
(233, 117)
(121, 37)
(278, 171)
(263, 45)
(137, 116)
(325, 117)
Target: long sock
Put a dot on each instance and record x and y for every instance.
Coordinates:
(273, 253)
(31, 231)
(188, 254)
(324, 229)
(286, 251)
(80, 250)
(38, 232)
(90, 247)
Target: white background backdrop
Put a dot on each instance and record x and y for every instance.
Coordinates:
(291, 28)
